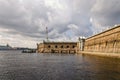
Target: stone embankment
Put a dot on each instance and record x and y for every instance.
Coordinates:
(106, 43)
(112, 55)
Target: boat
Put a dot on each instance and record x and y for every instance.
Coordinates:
(29, 51)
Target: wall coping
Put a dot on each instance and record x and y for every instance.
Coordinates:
(118, 26)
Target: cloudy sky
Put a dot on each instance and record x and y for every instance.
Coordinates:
(24, 22)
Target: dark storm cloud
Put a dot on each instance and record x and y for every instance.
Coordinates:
(106, 13)
(72, 17)
(25, 17)
(14, 16)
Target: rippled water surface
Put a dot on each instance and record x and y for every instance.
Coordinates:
(15, 65)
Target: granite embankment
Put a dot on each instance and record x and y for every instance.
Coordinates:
(113, 55)
(106, 43)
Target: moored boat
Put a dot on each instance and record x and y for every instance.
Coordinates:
(29, 51)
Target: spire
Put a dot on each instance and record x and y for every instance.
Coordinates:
(46, 33)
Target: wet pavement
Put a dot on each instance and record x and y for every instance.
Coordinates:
(15, 65)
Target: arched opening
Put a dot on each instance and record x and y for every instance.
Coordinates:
(62, 46)
(49, 46)
(73, 46)
(67, 46)
(56, 46)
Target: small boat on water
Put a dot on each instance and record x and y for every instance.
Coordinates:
(29, 51)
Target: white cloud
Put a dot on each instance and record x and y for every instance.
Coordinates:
(73, 26)
(24, 22)
(106, 15)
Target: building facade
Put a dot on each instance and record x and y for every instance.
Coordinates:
(57, 47)
(107, 41)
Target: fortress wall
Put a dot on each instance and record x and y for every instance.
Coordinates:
(107, 41)
(57, 47)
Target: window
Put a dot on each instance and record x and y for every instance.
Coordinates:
(106, 43)
(67, 46)
(56, 46)
(49, 46)
(73, 46)
(61, 46)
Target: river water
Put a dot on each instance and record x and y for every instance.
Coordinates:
(15, 65)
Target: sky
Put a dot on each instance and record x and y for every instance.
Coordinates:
(23, 22)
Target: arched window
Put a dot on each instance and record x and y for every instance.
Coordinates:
(56, 46)
(73, 46)
(114, 43)
(62, 46)
(67, 46)
(106, 43)
(49, 46)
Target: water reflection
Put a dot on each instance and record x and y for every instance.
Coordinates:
(15, 65)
